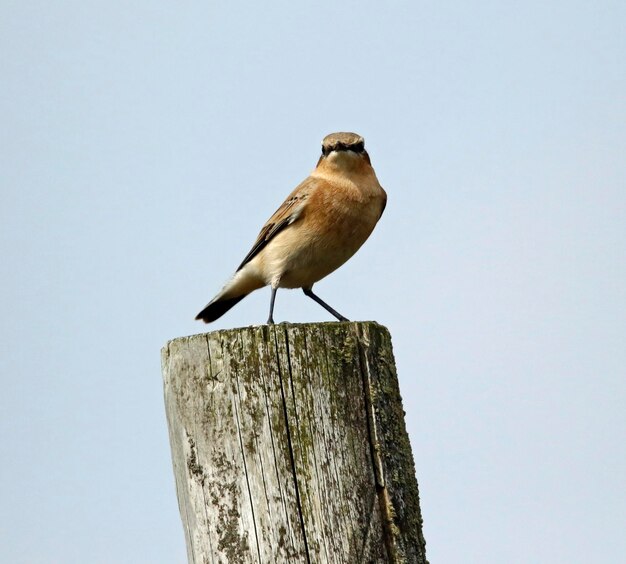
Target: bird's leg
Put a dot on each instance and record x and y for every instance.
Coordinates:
(270, 320)
(309, 292)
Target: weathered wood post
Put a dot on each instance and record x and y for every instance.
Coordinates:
(289, 445)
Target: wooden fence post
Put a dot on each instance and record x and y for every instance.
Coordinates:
(289, 445)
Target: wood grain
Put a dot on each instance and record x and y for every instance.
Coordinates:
(289, 445)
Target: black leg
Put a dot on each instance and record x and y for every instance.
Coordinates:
(270, 320)
(309, 292)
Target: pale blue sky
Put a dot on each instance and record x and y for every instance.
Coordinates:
(143, 145)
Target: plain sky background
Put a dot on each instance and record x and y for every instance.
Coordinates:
(142, 146)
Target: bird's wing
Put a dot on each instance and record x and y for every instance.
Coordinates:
(290, 210)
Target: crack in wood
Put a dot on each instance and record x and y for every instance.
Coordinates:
(289, 438)
(377, 464)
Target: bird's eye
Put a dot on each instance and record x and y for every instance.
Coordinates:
(359, 147)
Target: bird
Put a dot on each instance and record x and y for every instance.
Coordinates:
(320, 225)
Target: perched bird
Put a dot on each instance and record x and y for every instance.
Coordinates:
(320, 225)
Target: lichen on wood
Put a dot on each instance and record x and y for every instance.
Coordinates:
(289, 445)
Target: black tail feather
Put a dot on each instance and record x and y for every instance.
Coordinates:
(216, 309)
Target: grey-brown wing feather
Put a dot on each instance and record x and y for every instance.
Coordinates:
(290, 210)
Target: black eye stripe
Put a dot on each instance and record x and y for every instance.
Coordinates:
(357, 148)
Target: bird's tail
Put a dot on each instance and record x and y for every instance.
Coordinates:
(217, 308)
(244, 282)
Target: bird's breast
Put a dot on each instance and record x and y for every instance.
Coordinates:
(337, 220)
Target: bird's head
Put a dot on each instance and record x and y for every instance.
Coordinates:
(344, 150)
